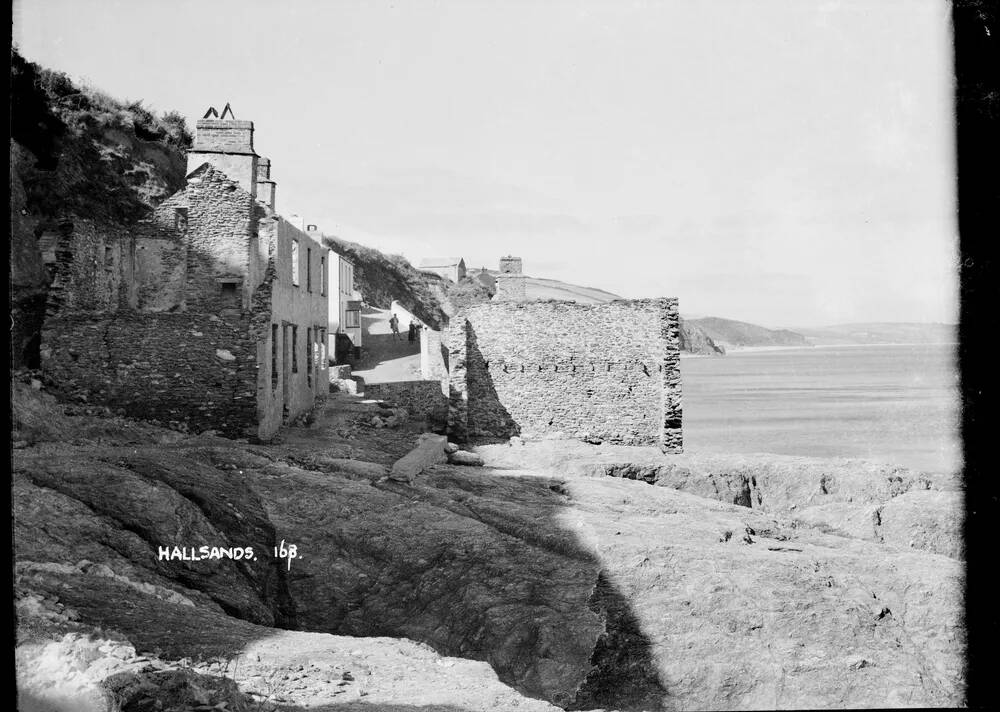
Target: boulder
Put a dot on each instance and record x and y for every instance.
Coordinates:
(464, 457)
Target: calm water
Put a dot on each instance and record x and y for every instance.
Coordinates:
(896, 404)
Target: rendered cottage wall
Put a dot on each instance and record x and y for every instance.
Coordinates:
(608, 372)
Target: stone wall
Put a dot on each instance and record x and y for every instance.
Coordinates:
(604, 372)
(220, 222)
(511, 288)
(159, 270)
(511, 265)
(91, 259)
(421, 398)
(433, 355)
(198, 371)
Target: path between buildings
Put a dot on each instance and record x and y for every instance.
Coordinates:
(386, 359)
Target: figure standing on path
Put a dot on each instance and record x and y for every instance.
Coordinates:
(394, 325)
(412, 331)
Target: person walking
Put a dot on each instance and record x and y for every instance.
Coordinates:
(394, 325)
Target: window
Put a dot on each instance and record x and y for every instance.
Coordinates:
(295, 262)
(352, 319)
(322, 348)
(274, 357)
(295, 349)
(346, 280)
(109, 256)
(180, 219)
(309, 356)
(230, 295)
(309, 269)
(322, 276)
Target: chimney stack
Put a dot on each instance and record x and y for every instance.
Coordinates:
(510, 281)
(228, 145)
(511, 265)
(265, 186)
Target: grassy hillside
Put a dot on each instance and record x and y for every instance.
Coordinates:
(87, 154)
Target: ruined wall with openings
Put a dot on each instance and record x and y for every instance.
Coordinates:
(220, 220)
(604, 372)
(159, 269)
(92, 263)
(193, 317)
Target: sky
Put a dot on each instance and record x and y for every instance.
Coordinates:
(783, 162)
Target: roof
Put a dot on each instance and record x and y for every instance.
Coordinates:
(441, 262)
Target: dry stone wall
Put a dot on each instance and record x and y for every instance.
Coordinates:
(420, 398)
(511, 288)
(604, 372)
(135, 362)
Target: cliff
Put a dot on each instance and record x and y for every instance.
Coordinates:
(587, 577)
(729, 333)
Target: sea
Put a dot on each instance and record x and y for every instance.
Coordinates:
(896, 404)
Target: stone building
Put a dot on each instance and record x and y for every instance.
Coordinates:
(452, 268)
(598, 372)
(510, 265)
(210, 315)
(510, 283)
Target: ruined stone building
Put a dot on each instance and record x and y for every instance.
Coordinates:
(510, 283)
(210, 315)
(451, 268)
(597, 372)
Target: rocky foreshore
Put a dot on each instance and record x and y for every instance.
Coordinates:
(555, 574)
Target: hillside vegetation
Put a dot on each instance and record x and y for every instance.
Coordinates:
(84, 153)
(382, 278)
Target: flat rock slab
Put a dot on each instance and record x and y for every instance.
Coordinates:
(464, 457)
(429, 451)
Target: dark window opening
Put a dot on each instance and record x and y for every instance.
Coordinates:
(309, 356)
(309, 271)
(322, 276)
(230, 295)
(295, 349)
(109, 256)
(274, 357)
(352, 319)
